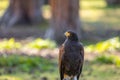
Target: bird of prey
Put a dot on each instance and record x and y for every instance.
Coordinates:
(71, 57)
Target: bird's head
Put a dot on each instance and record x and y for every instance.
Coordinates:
(71, 35)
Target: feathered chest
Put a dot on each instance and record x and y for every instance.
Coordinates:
(72, 52)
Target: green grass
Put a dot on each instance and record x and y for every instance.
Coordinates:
(97, 71)
(9, 44)
(27, 67)
(38, 43)
(47, 68)
(97, 16)
(109, 45)
(108, 59)
(25, 63)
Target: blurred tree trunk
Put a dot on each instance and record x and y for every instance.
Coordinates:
(65, 16)
(113, 2)
(46, 2)
(22, 11)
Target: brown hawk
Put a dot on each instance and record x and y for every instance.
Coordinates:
(71, 57)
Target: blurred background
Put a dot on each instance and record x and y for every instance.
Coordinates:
(31, 32)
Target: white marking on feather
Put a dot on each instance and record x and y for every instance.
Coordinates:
(75, 78)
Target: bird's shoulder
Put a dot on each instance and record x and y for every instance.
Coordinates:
(81, 50)
(61, 50)
(71, 47)
(73, 44)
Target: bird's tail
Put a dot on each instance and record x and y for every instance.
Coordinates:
(74, 78)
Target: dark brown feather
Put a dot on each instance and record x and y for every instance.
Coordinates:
(71, 57)
(61, 52)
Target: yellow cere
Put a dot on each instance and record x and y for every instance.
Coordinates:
(67, 34)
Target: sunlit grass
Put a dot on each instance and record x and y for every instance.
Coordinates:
(9, 44)
(106, 51)
(108, 59)
(100, 72)
(3, 5)
(96, 14)
(91, 9)
(91, 15)
(39, 43)
(92, 70)
(46, 11)
(92, 4)
(101, 15)
(20, 67)
(9, 78)
(103, 46)
(26, 63)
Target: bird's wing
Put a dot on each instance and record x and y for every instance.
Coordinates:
(82, 54)
(82, 51)
(61, 52)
